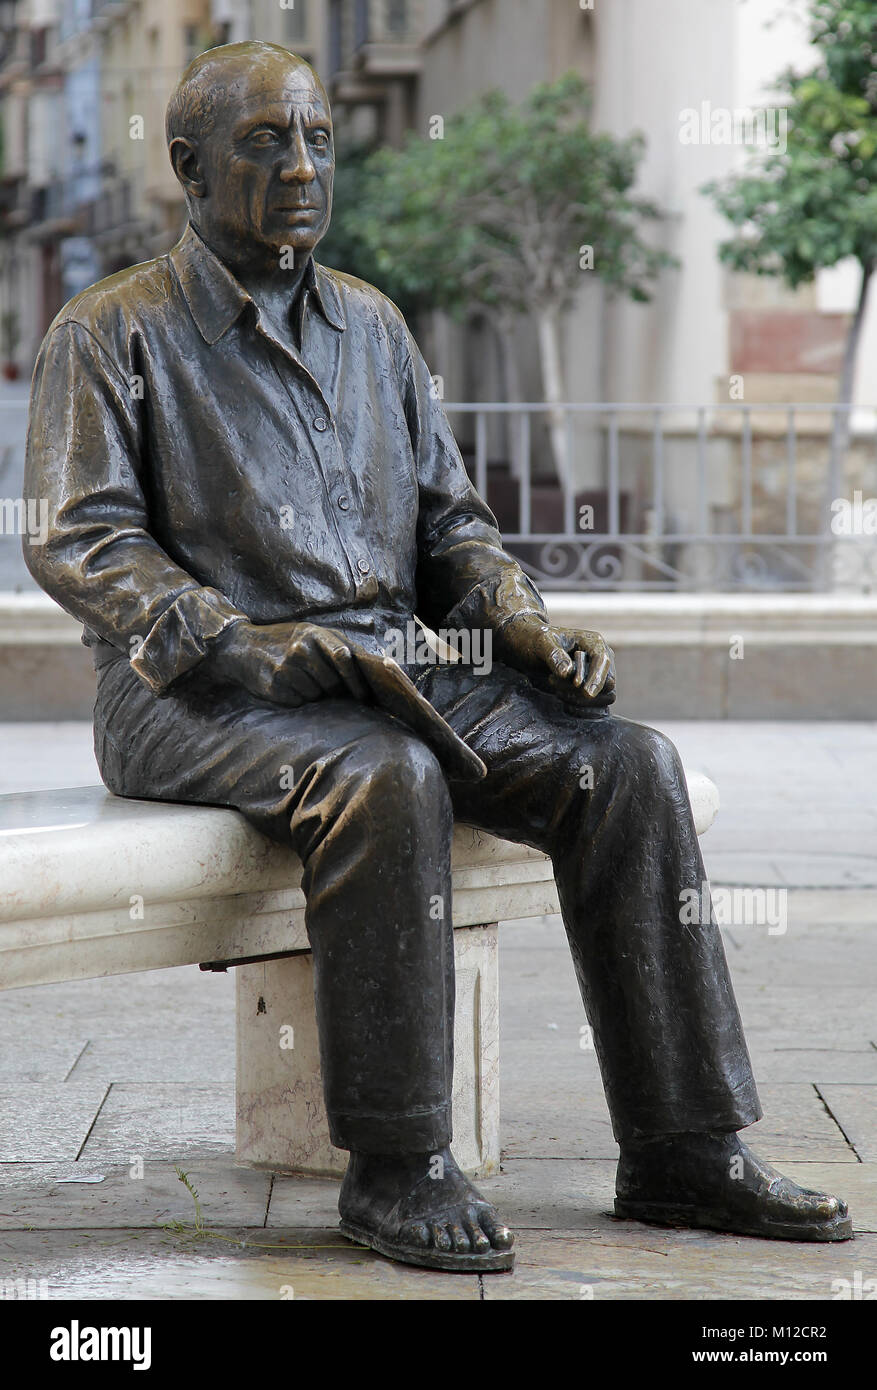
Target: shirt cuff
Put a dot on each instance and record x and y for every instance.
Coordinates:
(181, 636)
(495, 601)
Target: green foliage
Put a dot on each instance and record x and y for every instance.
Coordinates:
(494, 214)
(846, 33)
(343, 247)
(815, 204)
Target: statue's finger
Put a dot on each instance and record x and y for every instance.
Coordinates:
(558, 661)
(599, 671)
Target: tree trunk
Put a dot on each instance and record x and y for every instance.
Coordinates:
(553, 387)
(840, 434)
(504, 326)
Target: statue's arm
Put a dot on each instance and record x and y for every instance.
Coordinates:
(83, 461)
(465, 578)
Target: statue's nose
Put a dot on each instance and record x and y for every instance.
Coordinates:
(298, 166)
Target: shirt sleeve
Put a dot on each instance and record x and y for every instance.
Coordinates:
(84, 464)
(465, 578)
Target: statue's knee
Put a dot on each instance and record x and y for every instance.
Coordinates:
(402, 771)
(644, 756)
(655, 757)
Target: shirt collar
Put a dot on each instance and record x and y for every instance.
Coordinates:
(216, 297)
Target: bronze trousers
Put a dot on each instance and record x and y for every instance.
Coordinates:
(368, 808)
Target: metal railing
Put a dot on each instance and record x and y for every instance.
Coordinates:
(732, 497)
(721, 497)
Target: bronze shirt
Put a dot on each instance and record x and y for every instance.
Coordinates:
(199, 470)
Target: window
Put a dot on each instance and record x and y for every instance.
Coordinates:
(38, 46)
(360, 23)
(397, 16)
(191, 44)
(335, 30)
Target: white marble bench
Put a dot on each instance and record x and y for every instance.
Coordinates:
(92, 885)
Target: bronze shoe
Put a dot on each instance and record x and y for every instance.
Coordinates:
(715, 1182)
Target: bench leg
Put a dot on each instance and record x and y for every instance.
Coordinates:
(281, 1118)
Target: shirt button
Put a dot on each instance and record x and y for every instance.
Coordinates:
(363, 566)
(321, 423)
(344, 502)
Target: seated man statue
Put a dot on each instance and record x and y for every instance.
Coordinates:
(251, 483)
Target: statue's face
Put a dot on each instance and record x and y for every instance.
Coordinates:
(269, 162)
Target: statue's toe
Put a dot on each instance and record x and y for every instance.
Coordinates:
(497, 1233)
(440, 1237)
(416, 1234)
(479, 1241)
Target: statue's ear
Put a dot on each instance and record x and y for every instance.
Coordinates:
(187, 166)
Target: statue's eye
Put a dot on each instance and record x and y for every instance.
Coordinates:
(263, 138)
(320, 139)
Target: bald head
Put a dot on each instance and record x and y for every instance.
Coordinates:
(250, 139)
(224, 75)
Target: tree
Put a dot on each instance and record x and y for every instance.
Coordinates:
(805, 209)
(502, 212)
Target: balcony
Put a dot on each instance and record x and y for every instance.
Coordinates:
(372, 41)
(51, 214)
(110, 212)
(71, 208)
(375, 58)
(386, 37)
(15, 204)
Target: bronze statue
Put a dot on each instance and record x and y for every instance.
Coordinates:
(251, 483)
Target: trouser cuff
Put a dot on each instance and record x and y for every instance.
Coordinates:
(691, 1121)
(422, 1131)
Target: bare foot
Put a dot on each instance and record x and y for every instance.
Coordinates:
(420, 1209)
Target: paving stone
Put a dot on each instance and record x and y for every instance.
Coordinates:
(569, 1194)
(45, 1122)
(552, 1194)
(779, 1064)
(31, 1195)
(796, 1127)
(855, 1109)
(616, 1260)
(153, 1001)
(549, 1109)
(821, 1018)
(162, 1121)
(303, 1201)
(552, 1103)
(25, 1058)
(839, 955)
(182, 1055)
(244, 1265)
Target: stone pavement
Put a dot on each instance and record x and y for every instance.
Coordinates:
(107, 1087)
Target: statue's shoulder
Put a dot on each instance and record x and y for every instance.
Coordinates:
(358, 296)
(109, 308)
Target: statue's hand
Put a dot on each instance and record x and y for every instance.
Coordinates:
(288, 663)
(580, 666)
